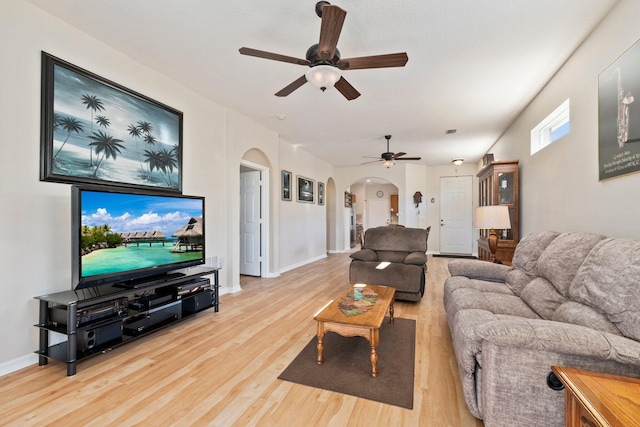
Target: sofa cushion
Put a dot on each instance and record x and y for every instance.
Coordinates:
(497, 303)
(528, 250)
(560, 261)
(403, 277)
(608, 280)
(542, 297)
(517, 280)
(391, 256)
(365, 255)
(583, 315)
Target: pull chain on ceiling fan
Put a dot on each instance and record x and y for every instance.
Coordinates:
(324, 60)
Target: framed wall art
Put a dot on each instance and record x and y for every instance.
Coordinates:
(286, 185)
(347, 200)
(95, 131)
(321, 193)
(305, 189)
(619, 115)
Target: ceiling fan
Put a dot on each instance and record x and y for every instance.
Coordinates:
(390, 158)
(324, 59)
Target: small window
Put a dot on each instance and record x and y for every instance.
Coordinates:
(552, 128)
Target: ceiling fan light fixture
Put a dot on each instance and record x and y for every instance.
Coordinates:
(388, 163)
(323, 76)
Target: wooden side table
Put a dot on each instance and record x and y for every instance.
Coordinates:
(593, 399)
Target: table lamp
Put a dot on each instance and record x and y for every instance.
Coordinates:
(493, 218)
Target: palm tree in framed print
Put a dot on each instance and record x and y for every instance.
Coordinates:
(94, 104)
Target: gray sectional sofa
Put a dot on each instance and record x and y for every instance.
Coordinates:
(570, 299)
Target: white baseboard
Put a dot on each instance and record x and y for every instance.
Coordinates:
(300, 264)
(17, 364)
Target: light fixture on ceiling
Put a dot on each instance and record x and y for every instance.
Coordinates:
(457, 162)
(323, 76)
(388, 163)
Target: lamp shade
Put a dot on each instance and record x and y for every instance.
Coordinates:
(323, 76)
(488, 217)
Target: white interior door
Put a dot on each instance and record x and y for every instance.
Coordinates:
(456, 212)
(377, 212)
(250, 223)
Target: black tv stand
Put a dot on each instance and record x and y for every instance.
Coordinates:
(97, 320)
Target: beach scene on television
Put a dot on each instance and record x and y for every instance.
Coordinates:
(101, 133)
(123, 232)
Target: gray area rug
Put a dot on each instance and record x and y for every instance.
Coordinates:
(347, 366)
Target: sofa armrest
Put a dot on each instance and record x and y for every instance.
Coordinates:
(476, 269)
(417, 258)
(556, 337)
(365, 255)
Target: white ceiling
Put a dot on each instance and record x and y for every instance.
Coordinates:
(473, 64)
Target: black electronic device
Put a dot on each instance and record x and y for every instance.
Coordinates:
(150, 301)
(198, 302)
(92, 313)
(175, 241)
(95, 336)
(153, 318)
(184, 289)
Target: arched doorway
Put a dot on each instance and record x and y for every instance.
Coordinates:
(254, 244)
(376, 203)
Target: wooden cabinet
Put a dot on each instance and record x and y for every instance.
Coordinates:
(393, 200)
(594, 399)
(499, 185)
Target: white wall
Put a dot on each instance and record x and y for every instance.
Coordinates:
(35, 253)
(559, 187)
(303, 234)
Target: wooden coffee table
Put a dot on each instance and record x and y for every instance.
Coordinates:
(331, 319)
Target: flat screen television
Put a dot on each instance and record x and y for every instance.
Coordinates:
(125, 237)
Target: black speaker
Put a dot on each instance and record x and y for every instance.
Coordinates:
(95, 336)
(197, 302)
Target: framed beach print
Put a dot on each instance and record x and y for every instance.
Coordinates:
(321, 193)
(96, 131)
(619, 115)
(305, 189)
(286, 185)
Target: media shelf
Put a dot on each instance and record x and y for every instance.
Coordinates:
(97, 320)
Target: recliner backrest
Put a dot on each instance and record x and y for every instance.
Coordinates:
(396, 239)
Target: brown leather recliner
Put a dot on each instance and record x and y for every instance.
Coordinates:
(405, 250)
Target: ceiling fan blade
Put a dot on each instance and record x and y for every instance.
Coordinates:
(375, 61)
(409, 158)
(273, 56)
(332, 20)
(346, 89)
(373, 161)
(402, 153)
(292, 86)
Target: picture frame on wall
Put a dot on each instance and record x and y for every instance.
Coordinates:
(321, 193)
(619, 115)
(95, 131)
(347, 199)
(286, 185)
(306, 187)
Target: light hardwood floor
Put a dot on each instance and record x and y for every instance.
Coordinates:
(221, 369)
